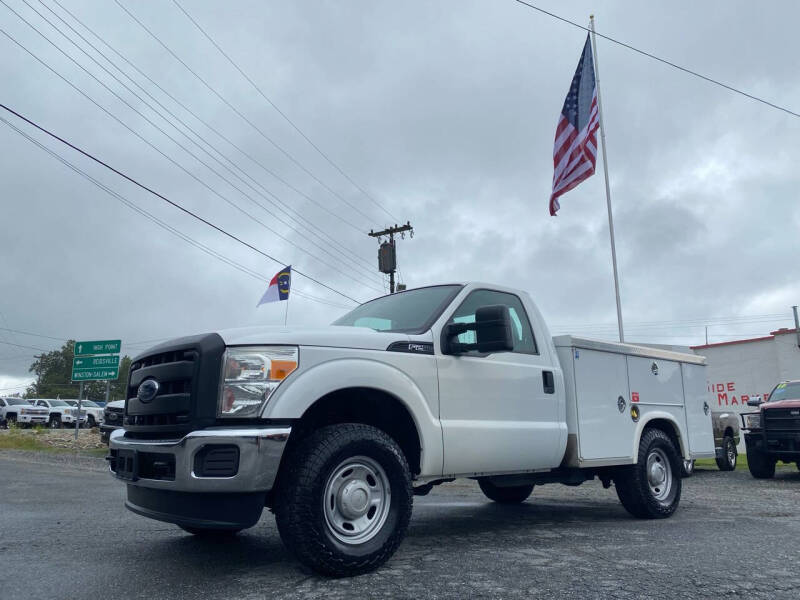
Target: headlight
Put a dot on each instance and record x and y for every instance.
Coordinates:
(751, 420)
(23, 411)
(250, 375)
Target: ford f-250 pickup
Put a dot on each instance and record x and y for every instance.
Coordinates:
(336, 429)
(773, 433)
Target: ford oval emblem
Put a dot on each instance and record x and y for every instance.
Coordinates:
(147, 390)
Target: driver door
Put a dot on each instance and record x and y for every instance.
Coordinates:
(499, 412)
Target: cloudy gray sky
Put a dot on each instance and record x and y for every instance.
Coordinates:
(444, 112)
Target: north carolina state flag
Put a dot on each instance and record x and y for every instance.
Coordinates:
(278, 288)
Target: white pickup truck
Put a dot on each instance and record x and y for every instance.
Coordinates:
(335, 429)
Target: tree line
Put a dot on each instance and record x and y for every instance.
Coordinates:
(53, 372)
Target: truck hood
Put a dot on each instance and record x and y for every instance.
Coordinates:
(782, 404)
(332, 336)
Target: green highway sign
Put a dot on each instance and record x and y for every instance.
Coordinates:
(94, 362)
(97, 347)
(95, 374)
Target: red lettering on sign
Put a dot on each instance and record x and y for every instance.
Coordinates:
(745, 398)
(730, 386)
(634, 396)
(734, 401)
(720, 387)
(721, 397)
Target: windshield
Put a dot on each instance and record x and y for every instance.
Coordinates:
(413, 311)
(785, 391)
(72, 402)
(58, 403)
(16, 401)
(89, 403)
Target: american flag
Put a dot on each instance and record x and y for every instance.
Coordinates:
(575, 149)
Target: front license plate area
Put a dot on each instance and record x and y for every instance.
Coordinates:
(127, 465)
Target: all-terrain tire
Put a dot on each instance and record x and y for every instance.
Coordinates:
(640, 487)
(761, 466)
(729, 455)
(202, 532)
(55, 422)
(312, 499)
(505, 495)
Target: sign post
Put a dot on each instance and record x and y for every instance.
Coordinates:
(95, 360)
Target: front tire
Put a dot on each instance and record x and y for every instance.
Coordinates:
(55, 422)
(505, 495)
(651, 489)
(761, 466)
(344, 499)
(729, 455)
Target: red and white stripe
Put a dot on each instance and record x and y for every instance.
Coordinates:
(574, 154)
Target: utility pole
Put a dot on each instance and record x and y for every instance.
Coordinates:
(387, 255)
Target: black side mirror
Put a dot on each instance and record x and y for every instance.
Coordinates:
(754, 401)
(492, 329)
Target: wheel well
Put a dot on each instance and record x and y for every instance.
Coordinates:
(669, 429)
(728, 431)
(370, 407)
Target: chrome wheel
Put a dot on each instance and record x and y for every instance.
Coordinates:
(731, 451)
(659, 474)
(356, 500)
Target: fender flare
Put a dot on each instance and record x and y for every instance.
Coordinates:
(680, 433)
(294, 399)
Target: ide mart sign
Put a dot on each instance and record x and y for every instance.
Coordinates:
(87, 366)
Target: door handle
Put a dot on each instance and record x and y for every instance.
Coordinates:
(548, 382)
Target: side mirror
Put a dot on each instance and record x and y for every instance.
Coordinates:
(754, 401)
(492, 329)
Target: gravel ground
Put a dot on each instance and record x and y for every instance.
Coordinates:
(88, 439)
(731, 536)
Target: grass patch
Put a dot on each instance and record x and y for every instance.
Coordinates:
(16, 439)
(38, 439)
(741, 463)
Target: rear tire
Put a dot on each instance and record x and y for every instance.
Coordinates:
(651, 489)
(210, 533)
(55, 422)
(505, 495)
(761, 466)
(729, 455)
(344, 499)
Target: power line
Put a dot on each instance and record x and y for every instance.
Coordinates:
(226, 167)
(210, 127)
(239, 113)
(145, 213)
(24, 346)
(170, 202)
(170, 159)
(281, 113)
(661, 60)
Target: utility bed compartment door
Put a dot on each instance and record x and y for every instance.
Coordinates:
(698, 412)
(601, 380)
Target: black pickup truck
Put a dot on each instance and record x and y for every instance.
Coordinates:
(773, 433)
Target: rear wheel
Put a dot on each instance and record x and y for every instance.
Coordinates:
(651, 489)
(55, 422)
(761, 466)
(505, 495)
(727, 462)
(344, 499)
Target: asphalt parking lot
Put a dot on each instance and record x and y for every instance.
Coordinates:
(65, 534)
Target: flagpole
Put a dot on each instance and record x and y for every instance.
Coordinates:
(286, 314)
(608, 188)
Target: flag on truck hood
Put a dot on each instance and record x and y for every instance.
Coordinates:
(575, 149)
(278, 288)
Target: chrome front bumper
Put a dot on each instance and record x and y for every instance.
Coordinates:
(260, 452)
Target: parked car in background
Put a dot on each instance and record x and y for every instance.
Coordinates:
(112, 418)
(773, 433)
(94, 413)
(17, 410)
(60, 413)
(726, 439)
